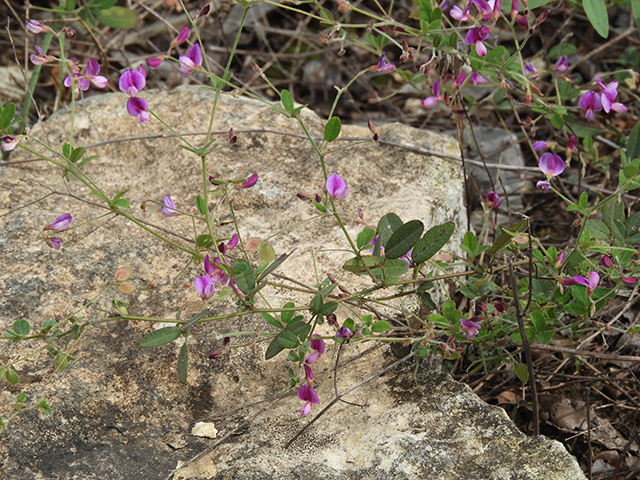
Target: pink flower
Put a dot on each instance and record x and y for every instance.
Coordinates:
(53, 242)
(608, 97)
(309, 374)
(204, 286)
(132, 81)
(214, 270)
(540, 145)
(169, 209)
(476, 36)
(591, 283)
(470, 327)
(41, 58)
(182, 36)
(383, 66)
(36, 27)
(515, 6)
(562, 64)
(60, 223)
(155, 61)
(90, 77)
(431, 101)
(606, 262)
(529, 69)
(559, 260)
(191, 61)
(590, 102)
(344, 333)
(137, 107)
(309, 396)
(493, 200)
(459, 14)
(317, 345)
(336, 187)
(551, 165)
(9, 142)
(628, 280)
(251, 181)
(567, 281)
(571, 145)
(478, 78)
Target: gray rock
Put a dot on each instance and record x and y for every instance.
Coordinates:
(118, 411)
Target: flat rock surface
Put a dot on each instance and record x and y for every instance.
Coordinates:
(119, 411)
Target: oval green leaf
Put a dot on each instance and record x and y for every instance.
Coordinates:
(244, 277)
(159, 337)
(596, 11)
(354, 265)
(432, 242)
(273, 349)
(287, 339)
(386, 226)
(22, 327)
(287, 100)
(183, 363)
(117, 17)
(332, 129)
(380, 326)
(12, 377)
(200, 205)
(403, 239)
(521, 372)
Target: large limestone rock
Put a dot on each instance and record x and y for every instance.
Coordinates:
(119, 411)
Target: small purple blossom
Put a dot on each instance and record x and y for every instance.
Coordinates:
(475, 36)
(90, 77)
(470, 327)
(590, 102)
(309, 396)
(383, 66)
(9, 142)
(493, 200)
(214, 270)
(457, 13)
(251, 181)
(317, 345)
(529, 69)
(628, 280)
(431, 101)
(132, 81)
(204, 286)
(551, 164)
(606, 262)
(567, 281)
(562, 64)
(591, 283)
(336, 187)
(60, 223)
(540, 145)
(192, 60)
(608, 97)
(515, 7)
(137, 107)
(41, 58)
(478, 78)
(344, 333)
(155, 61)
(169, 209)
(53, 242)
(182, 36)
(233, 241)
(309, 374)
(559, 260)
(36, 27)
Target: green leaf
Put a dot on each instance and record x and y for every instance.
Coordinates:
(386, 226)
(432, 241)
(505, 238)
(495, 56)
(77, 154)
(403, 239)
(390, 270)
(87, 160)
(272, 320)
(102, 4)
(121, 202)
(12, 377)
(117, 17)
(633, 143)
(287, 100)
(365, 237)
(70, 5)
(194, 319)
(539, 319)
(273, 266)
(200, 205)
(89, 19)
(596, 11)
(44, 408)
(598, 230)
(328, 308)
(575, 309)
(581, 131)
(159, 337)
(273, 349)
(22, 327)
(584, 199)
(316, 304)
(244, 277)
(522, 372)
(267, 254)
(7, 115)
(183, 363)
(556, 120)
(380, 327)
(633, 223)
(204, 242)
(354, 265)
(288, 315)
(288, 339)
(332, 129)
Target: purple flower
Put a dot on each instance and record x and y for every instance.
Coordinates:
(214, 270)
(515, 7)
(562, 64)
(551, 164)
(606, 262)
(457, 13)
(132, 81)
(204, 286)
(336, 187)
(529, 69)
(193, 60)
(9, 142)
(309, 396)
(628, 280)
(309, 374)
(383, 66)
(233, 241)
(608, 97)
(41, 58)
(137, 107)
(476, 36)
(559, 260)
(571, 145)
(493, 200)
(169, 209)
(344, 333)
(431, 101)
(251, 181)
(478, 78)
(90, 77)
(53, 242)
(540, 145)
(470, 327)
(567, 281)
(590, 102)
(60, 223)
(182, 36)
(36, 27)
(317, 345)
(591, 283)
(155, 61)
